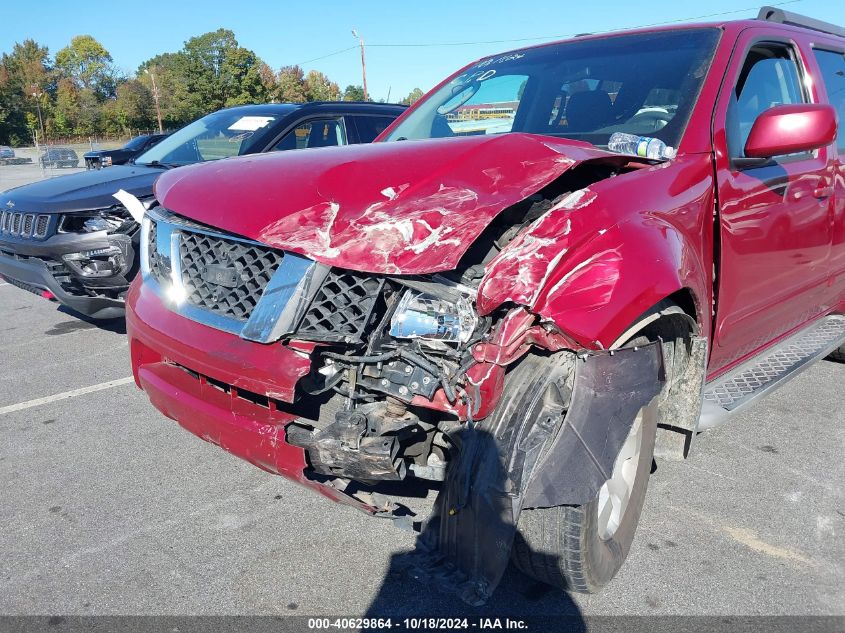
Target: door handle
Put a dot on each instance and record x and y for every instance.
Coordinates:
(823, 188)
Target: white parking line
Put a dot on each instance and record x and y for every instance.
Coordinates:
(65, 395)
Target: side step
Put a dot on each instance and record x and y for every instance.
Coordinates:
(732, 392)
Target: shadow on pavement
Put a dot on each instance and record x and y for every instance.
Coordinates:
(465, 544)
(82, 322)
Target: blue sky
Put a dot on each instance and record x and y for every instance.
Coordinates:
(284, 33)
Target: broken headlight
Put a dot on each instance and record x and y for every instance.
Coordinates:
(115, 259)
(421, 315)
(101, 223)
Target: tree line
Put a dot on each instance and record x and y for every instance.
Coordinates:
(80, 91)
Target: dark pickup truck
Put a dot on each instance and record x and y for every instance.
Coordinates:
(97, 159)
(69, 239)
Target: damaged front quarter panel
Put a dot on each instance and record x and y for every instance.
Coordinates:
(603, 255)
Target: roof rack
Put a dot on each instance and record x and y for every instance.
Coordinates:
(771, 14)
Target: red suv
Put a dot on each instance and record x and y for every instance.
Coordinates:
(561, 262)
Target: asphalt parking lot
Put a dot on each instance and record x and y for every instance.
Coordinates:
(16, 175)
(110, 508)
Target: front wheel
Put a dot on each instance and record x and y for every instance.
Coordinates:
(581, 548)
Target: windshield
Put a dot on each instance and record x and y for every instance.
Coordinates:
(136, 143)
(643, 84)
(218, 135)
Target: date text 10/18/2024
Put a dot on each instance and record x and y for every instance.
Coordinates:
(411, 624)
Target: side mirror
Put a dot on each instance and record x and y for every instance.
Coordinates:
(789, 129)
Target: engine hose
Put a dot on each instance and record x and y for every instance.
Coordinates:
(447, 386)
(420, 361)
(377, 358)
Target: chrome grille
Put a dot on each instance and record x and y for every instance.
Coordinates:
(41, 226)
(251, 265)
(224, 281)
(24, 224)
(158, 267)
(28, 221)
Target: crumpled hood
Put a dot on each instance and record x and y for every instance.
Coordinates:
(81, 191)
(400, 207)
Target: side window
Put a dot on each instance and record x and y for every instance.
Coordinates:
(370, 127)
(770, 77)
(833, 72)
(314, 133)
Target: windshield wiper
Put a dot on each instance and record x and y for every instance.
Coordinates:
(155, 163)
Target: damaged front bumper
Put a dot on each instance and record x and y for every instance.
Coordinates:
(216, 386)
(53, 267)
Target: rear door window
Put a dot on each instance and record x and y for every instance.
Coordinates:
(833, 73)
(327, 132)
(369, 127)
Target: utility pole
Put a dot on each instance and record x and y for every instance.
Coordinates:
(37, 94)
(363, 62)
(155, 98)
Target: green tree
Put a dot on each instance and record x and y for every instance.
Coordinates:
(89, 64)
(268, 80)
(318, 87)
(241, 78)
(353, 93)
(414, 95)
(290, 85)
(210, 72)
(133, 109)
(172, 84)
(24, 71)
(65, 111)
(90, 113)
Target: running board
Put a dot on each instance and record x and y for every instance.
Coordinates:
(774, 367)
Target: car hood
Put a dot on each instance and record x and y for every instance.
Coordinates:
(81, 191)
(392, 208)
(105, 152)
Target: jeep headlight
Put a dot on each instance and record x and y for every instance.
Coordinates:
(114, 259)
(421, 315)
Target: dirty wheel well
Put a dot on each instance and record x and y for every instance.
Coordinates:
(685, 355)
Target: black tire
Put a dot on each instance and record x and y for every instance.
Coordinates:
(561, 546)
(838, 355)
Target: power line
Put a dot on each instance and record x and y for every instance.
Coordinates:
(329, 55)
(550, 37)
